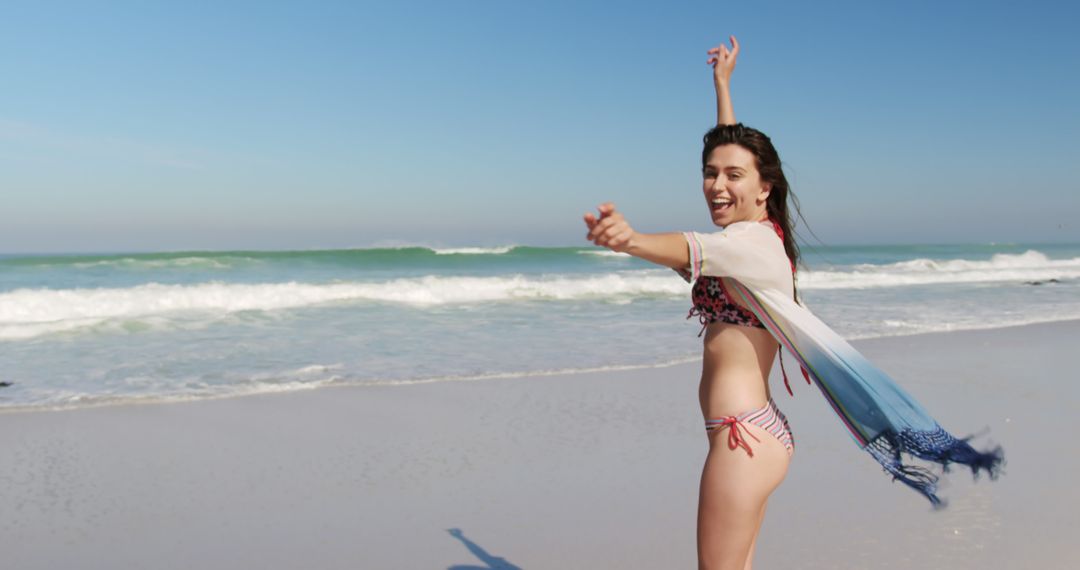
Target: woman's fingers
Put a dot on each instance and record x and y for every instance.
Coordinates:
(612, 232)
(721, 58)
(721, 53)
(620, 240)
(609, 234)
(599, 228)
(607, 209)
(723, 61)
(591, 221)
(605, 230)
(610, 229)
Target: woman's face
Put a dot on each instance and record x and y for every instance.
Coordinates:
(733, 187)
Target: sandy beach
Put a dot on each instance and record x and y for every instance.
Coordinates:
(582, 471)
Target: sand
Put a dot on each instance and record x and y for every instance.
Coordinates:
(594, 470)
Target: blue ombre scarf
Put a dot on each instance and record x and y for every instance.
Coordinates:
(881, 417)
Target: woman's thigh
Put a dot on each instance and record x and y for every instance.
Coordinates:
(734, 488)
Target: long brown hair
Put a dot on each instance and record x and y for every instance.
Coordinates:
(771, 171)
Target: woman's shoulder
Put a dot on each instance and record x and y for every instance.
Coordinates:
(767, 223)
(764, 227)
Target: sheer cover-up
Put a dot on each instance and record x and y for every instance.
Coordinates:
(881, 417)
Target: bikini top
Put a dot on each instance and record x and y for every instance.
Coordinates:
(713, 304)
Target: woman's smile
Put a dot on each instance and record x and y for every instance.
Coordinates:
(721, 204)
(733, 186)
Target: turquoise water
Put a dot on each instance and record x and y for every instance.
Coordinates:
(86, 329)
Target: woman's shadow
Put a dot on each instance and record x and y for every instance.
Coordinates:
(493, 562)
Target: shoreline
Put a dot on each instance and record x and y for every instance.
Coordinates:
(124, 401)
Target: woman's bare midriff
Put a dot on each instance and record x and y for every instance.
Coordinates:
(735, 369)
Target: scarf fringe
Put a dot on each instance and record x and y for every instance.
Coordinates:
(937, 446)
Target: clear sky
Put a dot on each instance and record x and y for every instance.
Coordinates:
(130, 126)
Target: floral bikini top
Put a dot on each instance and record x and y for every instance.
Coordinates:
(713, 304)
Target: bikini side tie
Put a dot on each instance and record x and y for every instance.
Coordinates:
(736, 438)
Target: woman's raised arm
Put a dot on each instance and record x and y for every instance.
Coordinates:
(723, 62)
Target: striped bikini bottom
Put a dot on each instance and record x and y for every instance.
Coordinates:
(768, 417)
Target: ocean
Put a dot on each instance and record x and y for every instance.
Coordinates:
(83, 330)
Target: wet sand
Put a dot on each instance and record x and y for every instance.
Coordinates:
(594, 470)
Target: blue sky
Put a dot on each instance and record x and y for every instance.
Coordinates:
(131, 126)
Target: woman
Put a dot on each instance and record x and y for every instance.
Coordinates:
(750, 444)
(744, 292)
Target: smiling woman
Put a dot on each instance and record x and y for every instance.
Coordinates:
(745, 190)
(744, 293)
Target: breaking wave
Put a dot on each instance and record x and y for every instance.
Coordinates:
(1028, 266)
(26, 313)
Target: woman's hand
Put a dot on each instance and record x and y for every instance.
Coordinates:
(723, 61)
(611, 230)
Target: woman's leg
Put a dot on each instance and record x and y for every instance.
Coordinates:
(734, 488)
(753, 543)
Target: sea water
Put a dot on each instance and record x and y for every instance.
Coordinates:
(79, 330)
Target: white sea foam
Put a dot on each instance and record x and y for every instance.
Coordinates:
(307, 378)
(904, 328)
(26, 313)
(473, 250)
(604, 253)
(1028, 266)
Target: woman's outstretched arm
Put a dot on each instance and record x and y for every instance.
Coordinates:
(613, 232)
(723, 62)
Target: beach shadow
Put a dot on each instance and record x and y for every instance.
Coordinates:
(493, 562)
